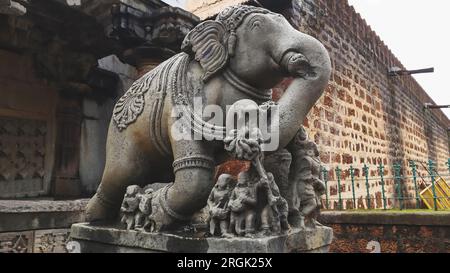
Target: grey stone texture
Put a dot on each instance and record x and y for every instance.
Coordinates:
(17, 215)
(223, 71)
(35, 241)
(12, 8)
(38, 226)
(112, 239)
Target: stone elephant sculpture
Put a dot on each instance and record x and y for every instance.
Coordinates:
(241, 54)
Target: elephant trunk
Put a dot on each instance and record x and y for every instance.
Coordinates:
(310, 64)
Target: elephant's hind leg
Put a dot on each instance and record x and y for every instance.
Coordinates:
(124, 167)
(106, 202)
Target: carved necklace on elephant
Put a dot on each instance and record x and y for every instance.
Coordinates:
(182, 98)
(245, 88)
(131, 105)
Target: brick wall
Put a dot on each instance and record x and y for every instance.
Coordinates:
(365, 116)
(391, 238)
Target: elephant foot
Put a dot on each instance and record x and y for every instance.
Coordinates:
(99, 210)
(295, 220)
(163, 218)
(228, 235)
(265, 232)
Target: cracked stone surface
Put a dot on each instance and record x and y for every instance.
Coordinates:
(111, 239)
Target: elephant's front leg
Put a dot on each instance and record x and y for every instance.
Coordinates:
(194, 168)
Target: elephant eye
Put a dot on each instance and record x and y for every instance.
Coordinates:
(256, 24)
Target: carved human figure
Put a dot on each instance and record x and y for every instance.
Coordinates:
(270, 207)
(279, 164)
(131, 216)
(223, 61)
(306, 181)
(274, 214)
(145, 210)
(296, 149)
(243, 204)
(219, 211)
(310, 203)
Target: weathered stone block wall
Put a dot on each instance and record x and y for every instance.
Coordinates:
(365, 116)
(38, 226)
(35, 241)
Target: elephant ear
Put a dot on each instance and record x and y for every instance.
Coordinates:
(208, 42)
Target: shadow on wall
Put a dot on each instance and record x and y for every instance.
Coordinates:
(94, 130)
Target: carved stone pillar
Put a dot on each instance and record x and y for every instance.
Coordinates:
(66, 179)
(149, 38)
(145, 58)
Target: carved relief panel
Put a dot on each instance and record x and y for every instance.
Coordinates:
(16, 242)
(22, 157)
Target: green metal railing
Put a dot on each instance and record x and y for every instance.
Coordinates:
(401, 190)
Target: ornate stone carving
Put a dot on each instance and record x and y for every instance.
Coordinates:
(232, 17)
(306, 182)
(136, 208)
(218, 206)
(193, 162)
(132, 103)
(207, 43)
(16, 242)
(232, 42)
(22, 155)
(150, 23)
(255, 205)
(51, 241)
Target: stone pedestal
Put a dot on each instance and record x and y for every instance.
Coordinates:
(109, 239)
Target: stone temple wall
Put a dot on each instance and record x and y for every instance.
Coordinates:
(365, 116)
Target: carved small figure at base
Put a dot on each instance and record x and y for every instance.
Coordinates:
(130, 207)
(243, 206)
(306, 181)
(136, 208)
(145, 208)
(224, 60)
(274, 215)
(219, 212)
(256, 203)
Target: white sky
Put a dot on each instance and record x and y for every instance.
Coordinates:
(416, 31)
(180, 3)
